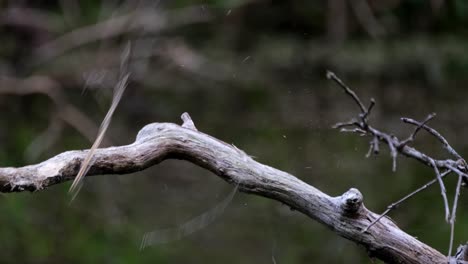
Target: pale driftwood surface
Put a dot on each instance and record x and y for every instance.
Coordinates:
(346, 215)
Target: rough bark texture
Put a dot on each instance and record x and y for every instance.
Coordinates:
(345, 214)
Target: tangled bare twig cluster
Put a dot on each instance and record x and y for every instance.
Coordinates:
(457, 165)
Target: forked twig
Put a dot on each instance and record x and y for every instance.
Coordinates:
(416, 130)
(435, 134)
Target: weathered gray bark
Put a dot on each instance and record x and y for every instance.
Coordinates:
(345, 214)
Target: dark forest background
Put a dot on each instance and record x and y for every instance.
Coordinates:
(249, 72)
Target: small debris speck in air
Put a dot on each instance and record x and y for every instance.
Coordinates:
(284, 136)
(308, 167)
(246, 59)
(228, 12)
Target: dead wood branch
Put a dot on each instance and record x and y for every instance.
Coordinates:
(345, 214)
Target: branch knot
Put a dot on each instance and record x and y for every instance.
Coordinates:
(351, 201)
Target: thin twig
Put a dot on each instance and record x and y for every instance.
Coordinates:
(375, 142)
(393, 150)
(442, 190)
(454, 213)
(332, 76)
(352, 122)
(353, 130)
(397, 203)
(371, 148)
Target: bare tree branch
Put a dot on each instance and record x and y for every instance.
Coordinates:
(344, 214)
